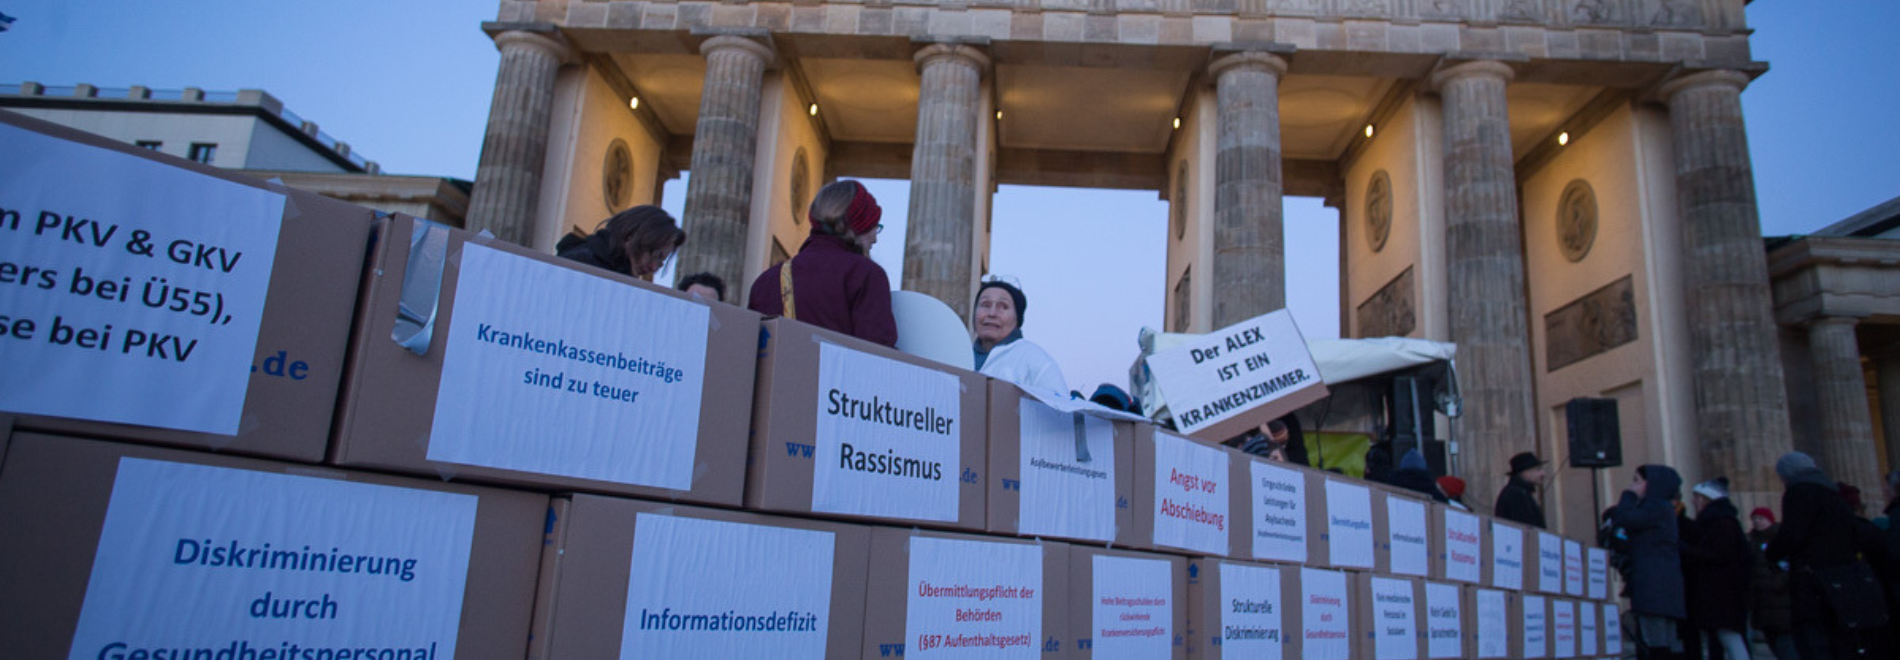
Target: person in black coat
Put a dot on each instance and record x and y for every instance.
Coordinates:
(635, 242)
(1718, 568)
(1647, 513)
(1817, 532)
(1414, 475)
(1518, 501)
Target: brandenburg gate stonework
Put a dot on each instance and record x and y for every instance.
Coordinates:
(1561, 187)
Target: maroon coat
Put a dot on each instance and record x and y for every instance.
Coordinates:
(834, 288)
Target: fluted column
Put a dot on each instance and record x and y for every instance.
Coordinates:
(1484, 256)
(1847, 426)
(943, 175)
(725, 141)
(1249, 246)
(1741, 403)
(515, 144)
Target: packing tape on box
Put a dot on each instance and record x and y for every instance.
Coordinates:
(421, 287)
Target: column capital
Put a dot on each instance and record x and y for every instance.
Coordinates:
(1493, 68)
(739, 43)
(1247, 59)
(1717, 77)
(1832, 320)
(949, 51)
(548, 41)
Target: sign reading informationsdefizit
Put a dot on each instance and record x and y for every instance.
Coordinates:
(201, 561)
(715, 589)
(1235, 369)
(888, 439)
(556, 371)
(133, 291)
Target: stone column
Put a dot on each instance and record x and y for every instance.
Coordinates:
(725, 141)
(1847, 426)
(1484, 255)
(1741, 404)
(943, 175)
(515, 145)
(1249, 242)
(1887, 375)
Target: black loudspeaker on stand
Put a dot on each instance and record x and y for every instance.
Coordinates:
(1596, 440)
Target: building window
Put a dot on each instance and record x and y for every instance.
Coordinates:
(203, 152)
(154, 145)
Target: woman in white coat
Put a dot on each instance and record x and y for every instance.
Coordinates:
(1001, 351)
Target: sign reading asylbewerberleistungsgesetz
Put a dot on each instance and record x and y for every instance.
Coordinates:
(1233, 370)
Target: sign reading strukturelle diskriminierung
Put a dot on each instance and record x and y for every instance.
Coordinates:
(1238, 368)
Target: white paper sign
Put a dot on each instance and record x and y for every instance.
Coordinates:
(1563, 625)
(1597, 569)
(1190, 495)
(1444, 621)
(1550, 563)
(1507, 557)
(1394, 620)
(1279, 517)
(889, 439)
(973, 599)
(713, 589)
(1612, 631)
(1573, 568)
(1464, 547)
(1133, 608)
(1586, 629)
(1233, 370)
(197, 559)
(1406, 536)
(555, 371)
(1250, 621)
(1068, 474)
(1536, 627)
(130, 291)
(1494, 624)
(1325, 615)
(1349, 524)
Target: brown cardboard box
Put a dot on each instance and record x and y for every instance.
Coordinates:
(893, 588)
(1125, 593)
(1353, 523)
(1233, 617)
(1493, 623)
(1509, 561)
(155, 573)
(1288, 513)
(1391, 612)
(1410, 538)
(1329, 626)
(1459, 543)
(786, 454)
(1533, 622)
(388, 420)
(1007, 480)
(303, 332)
(1167, 497)
(584, 605)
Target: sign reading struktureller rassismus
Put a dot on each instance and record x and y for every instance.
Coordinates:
(1232, 370)
(200, 561)
(1068, 474)
(556, 371)
(1464, 547)
(130, 291)
(716, 589)
(889, 440)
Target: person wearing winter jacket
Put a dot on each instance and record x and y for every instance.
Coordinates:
(635, 242)
(1647, 513)
(1769, 610)
(998, 344)
(1414, 475)
(832, 282)
(1517, 502)
(1817, 532)
(1717, 570)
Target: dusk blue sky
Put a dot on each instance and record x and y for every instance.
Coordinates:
(407, 83)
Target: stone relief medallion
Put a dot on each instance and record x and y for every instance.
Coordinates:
(1179, 204)
(1577, 220)
(1594, 11)
(1678, 14)
(1378, 210)
(1521, 10)
(801, 186)
(616, 176)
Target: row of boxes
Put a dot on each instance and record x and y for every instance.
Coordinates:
(452, 569)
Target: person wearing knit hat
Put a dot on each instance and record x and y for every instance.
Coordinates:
(1001, 352)
(1817, 533)
(832, 283)
(1717, 568)
(1454, 490)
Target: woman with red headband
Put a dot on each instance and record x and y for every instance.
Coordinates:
(831, 283)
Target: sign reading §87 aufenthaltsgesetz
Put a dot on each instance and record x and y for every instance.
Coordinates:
(1238, 369)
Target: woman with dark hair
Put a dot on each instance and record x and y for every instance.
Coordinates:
(634, 242)
(831, 283)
